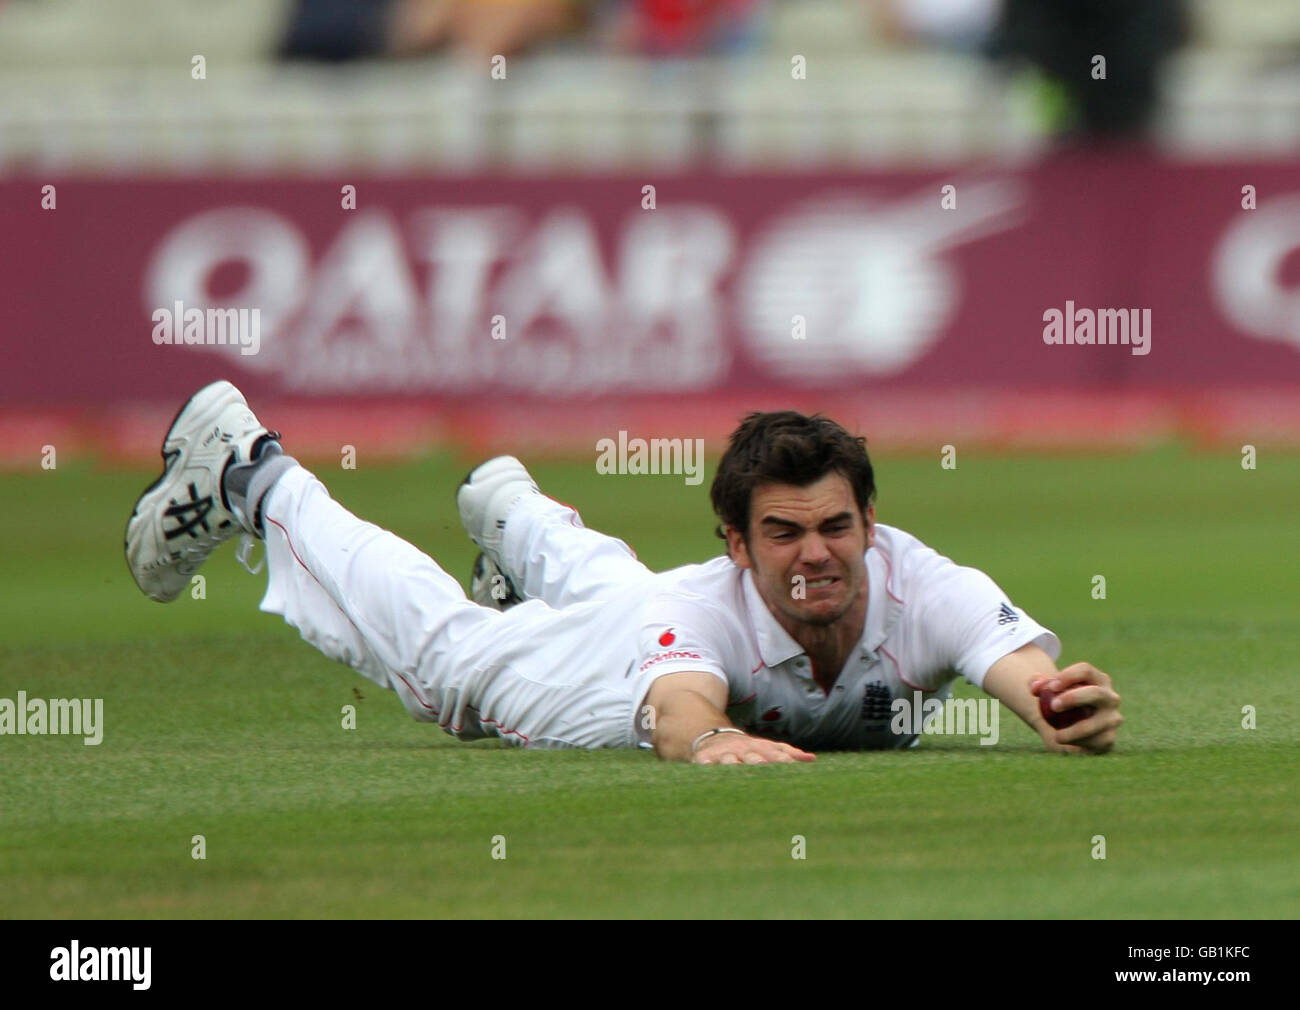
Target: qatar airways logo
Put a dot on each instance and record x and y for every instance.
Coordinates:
(564, 300)
(851, 284)
(1248, 274)
(447, 299)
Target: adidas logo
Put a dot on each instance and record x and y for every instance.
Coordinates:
(1006, 615)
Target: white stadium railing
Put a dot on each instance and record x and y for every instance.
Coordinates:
(92, 85)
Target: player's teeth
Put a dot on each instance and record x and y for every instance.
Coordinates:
(818, 583)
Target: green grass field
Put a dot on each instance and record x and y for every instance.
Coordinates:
(220, 722)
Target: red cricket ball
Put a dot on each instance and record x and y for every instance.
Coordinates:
(1060, 720)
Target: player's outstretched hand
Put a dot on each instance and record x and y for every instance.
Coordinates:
(1078, 685)
(734, 749)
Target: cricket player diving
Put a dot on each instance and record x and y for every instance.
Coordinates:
(799, 639)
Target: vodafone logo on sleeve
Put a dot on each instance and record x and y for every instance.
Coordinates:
(665, 656)
(666, 640)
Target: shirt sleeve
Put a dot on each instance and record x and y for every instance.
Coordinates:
(682, 633)
(969, 623)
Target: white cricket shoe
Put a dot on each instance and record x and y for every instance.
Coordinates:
(184, 515)
(484, 498)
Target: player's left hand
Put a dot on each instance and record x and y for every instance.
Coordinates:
(1077, 685)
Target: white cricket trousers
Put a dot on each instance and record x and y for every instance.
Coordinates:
(554, 671)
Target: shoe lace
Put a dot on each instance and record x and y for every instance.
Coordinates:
(247, 542)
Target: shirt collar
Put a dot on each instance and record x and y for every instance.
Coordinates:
(883, 603)
(775, 646)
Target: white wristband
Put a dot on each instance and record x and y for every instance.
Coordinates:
(713, 732)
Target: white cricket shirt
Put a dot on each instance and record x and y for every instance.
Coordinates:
(928, 622)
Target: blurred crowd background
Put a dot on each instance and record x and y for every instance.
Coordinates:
(400, 84)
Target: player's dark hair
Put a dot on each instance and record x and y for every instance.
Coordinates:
(786, 447)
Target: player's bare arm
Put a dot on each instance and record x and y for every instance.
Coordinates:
(689, 705)
(1016, 679)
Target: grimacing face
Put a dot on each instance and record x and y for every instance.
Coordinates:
(815, 532)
